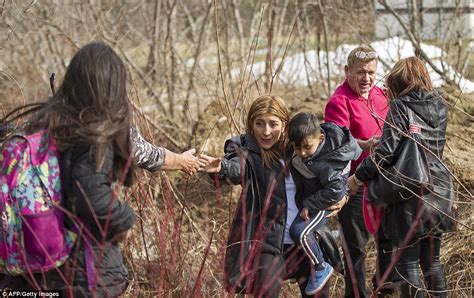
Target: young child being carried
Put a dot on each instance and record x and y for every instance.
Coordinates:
(321, 162)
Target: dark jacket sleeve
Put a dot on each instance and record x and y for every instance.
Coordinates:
(333, 188)
(385, 153)
(230, 163)
(95, 201)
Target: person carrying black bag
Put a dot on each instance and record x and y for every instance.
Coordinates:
(410, 156)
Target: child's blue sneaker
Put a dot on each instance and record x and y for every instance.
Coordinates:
(317, 280)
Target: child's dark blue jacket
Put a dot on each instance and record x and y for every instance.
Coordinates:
(322, 179)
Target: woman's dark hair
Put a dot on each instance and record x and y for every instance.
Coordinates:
(91, 108)
(301, 126)
(407, 75)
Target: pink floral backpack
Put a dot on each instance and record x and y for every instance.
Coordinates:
(33, 237)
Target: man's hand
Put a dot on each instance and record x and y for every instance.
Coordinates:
(367, 145)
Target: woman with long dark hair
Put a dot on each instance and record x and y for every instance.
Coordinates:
(89, 119)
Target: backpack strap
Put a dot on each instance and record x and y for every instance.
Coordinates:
(43, 154)
(40, 146)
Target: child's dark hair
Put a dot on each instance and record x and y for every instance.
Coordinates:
(301, 126)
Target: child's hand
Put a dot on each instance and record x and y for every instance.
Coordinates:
(304, 213)
(209, 164)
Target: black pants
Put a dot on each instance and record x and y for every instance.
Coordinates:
(294, 264)
(424, 253)
(354, 246)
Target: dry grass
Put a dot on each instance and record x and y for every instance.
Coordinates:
(178, 244)
(185, 226)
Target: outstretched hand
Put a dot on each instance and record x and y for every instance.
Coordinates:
(189, 163)
(209, 164)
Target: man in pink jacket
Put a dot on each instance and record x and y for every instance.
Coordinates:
(361, 107)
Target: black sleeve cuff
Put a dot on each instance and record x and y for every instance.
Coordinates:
(223, 171)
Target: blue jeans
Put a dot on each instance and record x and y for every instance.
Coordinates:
(302, 232)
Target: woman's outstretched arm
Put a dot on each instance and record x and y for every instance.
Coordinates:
(154, 158)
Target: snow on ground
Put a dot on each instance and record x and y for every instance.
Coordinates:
(302, 68)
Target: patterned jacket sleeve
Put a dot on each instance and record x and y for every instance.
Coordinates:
(147, 155)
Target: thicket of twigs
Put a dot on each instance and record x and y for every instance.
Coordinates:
(190, 85)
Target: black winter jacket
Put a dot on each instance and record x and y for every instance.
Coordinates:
(259, 222)
(322, 181)
(96, 205)
(430, 112)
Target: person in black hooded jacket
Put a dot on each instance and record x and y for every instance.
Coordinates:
(322, 155)
(415, 224)
(260, 253)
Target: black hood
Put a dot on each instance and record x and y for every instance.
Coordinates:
(338, 144)
(429, 106)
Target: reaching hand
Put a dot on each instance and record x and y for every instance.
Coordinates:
(209, 164)
(374, 141)
(189, 162)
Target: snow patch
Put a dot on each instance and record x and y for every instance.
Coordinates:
(310, 67)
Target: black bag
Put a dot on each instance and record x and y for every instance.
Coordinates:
(330, 249)
(407, 178)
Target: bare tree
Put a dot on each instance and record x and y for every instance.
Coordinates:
(194, 67)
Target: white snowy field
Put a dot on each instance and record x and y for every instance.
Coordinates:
(302, 68)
